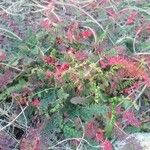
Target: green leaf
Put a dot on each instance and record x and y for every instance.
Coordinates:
(95, 109)
(127, 104)
(56, 108)
(47, 98)
(62, 95)
(31, 41)
(131, 129)
(70, 131)
(108, 128)
(14, 88)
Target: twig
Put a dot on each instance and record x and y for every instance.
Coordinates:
(139, 95)
(82, 135)
(25, 119)
(10, 123)
(5, 30)
(10, 66)
(77, 139)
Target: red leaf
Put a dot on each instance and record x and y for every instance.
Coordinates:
(49, 74)
(100, 136)
(60, 69)
(71, 32)
(86, 34)
(36, 102)
(31, 141)
(46, 23)
(102, 64)
(64, 67)
(112, 14)
(91, 129)
(131, 18)
(81, 56)
(130, 119)
(106, 145)
(49, 60)
(70, 36)
(2, 56)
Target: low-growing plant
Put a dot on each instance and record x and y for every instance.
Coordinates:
(74, 74)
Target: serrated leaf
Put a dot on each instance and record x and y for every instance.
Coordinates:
(96, 109)
(108, 128)
(127, 104)
(61, 94)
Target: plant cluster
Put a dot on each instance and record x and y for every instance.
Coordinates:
(74, 75)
